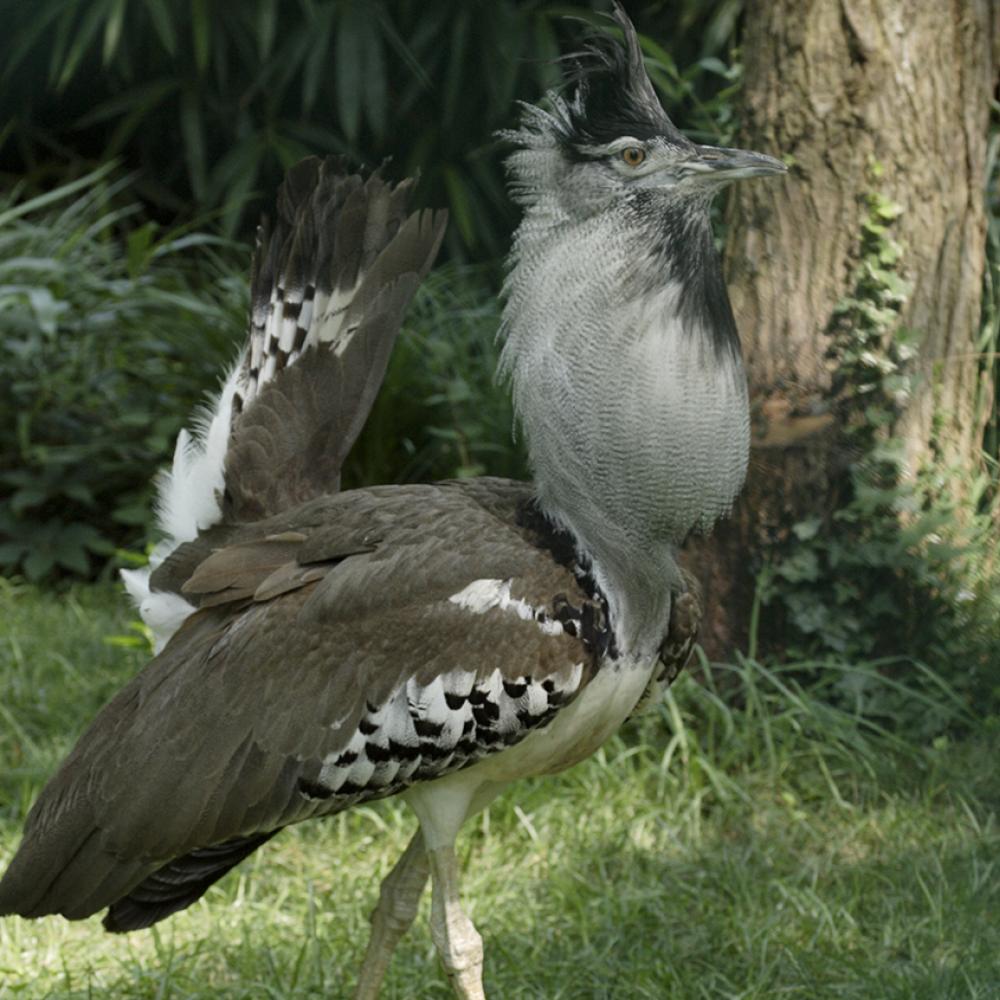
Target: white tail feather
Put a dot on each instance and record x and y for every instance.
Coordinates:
(190, 493)
(332, 230)
(189, 498)
(163, 613)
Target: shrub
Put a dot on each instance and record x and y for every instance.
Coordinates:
(211, 102)
(111, 336)
(441, 413)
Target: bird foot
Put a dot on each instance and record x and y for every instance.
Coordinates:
(462, 956)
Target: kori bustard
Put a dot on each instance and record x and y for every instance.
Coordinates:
(318, 648)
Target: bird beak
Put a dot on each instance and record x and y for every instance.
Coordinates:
(716, 163)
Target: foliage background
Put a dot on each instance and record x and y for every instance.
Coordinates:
(143, 139)
(142, 142)
(210, 102)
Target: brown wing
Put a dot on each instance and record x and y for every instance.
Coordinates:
(339, 656)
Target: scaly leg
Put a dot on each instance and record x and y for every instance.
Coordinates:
(457, 941)
(441, 807)
(398, 901)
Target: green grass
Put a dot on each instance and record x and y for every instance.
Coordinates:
(781, 848)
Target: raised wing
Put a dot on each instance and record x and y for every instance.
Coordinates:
(330, 285)
(331, 281)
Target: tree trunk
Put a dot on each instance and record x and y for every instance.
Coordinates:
(845, 88)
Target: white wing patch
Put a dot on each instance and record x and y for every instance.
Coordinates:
(481, 596)
(423, 731)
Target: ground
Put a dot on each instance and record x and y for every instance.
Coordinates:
(745, 840)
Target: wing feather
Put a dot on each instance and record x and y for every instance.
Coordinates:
(267, 710)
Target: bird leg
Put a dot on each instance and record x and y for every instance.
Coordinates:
(398, 901)
(457, 941)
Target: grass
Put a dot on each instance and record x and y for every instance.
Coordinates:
(785, 847)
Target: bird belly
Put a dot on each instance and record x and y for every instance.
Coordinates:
(578, 730)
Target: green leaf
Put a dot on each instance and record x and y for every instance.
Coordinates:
(137, 248)
(808, 528)
(201, 34)
(11, 552)
(133, 514)
(546, 53)
(85, 36)
(267, 20)
(376, 83)
(317, 62)
(192, 131)
(29, 496)
(349, 71)
(79, 492)
(73, 558)
(801, 566)
(454, 78)
(113, 31)
(885, 208)
(459, 204)
(160, 13)
(126, 641)
(38, 564)
(713, 65)
(24, 41)
(142, 98)
(404, 51)
(234, 177)
(56, 195)
(663, 58)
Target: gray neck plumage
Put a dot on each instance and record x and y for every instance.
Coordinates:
(629, 386)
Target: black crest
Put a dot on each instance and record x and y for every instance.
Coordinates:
(614, 95)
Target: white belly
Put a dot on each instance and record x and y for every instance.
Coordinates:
(574, 734)
(577, 731)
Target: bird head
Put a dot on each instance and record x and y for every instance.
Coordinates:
(611, 140)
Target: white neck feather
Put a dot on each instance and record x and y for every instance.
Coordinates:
(636, 424)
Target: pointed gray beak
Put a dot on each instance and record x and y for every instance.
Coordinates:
(716, 163)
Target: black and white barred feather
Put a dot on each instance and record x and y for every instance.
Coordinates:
(332, 277)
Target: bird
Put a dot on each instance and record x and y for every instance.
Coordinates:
(316, 648)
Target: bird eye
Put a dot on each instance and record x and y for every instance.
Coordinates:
(633, 155)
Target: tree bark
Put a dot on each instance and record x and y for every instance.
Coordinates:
(840, 85)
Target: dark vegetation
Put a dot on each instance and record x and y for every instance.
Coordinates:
(142, 141)
(209, 103)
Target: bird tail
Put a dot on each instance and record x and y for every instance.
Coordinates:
(329, 286)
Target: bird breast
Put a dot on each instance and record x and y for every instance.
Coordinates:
(632, 414)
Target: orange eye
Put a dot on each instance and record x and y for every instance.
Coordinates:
(633, 155)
